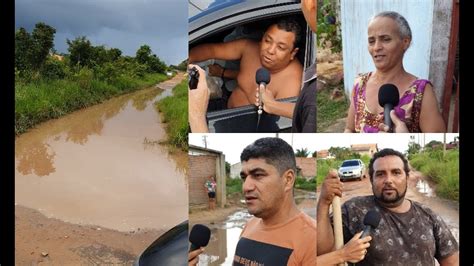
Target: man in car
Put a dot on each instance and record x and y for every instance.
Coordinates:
(408, 233)
(276, 51)
(303, 113)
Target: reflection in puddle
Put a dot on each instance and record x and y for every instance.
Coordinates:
(224, 238)
(423, 187)
(95, 168)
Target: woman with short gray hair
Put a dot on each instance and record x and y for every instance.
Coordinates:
(389, 36)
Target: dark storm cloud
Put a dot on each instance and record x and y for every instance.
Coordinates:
(123, 24)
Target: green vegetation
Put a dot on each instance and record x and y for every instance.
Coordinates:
(329, 111)
(329, 27)
(323, 168)
(233, 185)
(304, 184)
(49, 85)
(443, 170)
(175, 114)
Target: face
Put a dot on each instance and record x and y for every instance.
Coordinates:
(263, 187)
(277, 48)
(385, 43)
(389, 182)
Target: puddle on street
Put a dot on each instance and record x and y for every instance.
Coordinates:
(94, 167)
(423, 187)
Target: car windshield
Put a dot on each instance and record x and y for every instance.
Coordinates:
(350, 163)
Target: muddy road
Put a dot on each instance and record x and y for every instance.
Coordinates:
(95, 187)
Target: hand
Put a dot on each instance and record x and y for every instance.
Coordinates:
(267, 98)
(331, 187)
(193, 256)
(198, 100)
(356, 249)
(398, 125)
(215, 70)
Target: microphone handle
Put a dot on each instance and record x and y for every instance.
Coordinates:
(386, 116)
(367, 231)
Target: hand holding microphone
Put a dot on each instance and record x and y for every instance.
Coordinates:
(199, 238)
(262, 77)
(388, 99)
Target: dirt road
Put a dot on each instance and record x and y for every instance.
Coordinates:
(89, 188)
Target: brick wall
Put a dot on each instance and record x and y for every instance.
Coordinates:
(200, 167)
(307, 165)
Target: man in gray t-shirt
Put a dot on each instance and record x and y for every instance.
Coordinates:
(408, 233)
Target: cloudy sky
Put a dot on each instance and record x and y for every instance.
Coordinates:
(233, 144)
(123, 24)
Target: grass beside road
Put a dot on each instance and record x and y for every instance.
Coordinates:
(44, 99)
(175, 114)
(444, 171)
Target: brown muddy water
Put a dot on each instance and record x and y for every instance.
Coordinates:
(103, 166)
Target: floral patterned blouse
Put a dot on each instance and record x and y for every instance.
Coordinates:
(408, 109)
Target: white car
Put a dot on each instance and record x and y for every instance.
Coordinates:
(352, 169)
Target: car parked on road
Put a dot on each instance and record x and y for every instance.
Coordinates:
(215, 22)
(352, 169)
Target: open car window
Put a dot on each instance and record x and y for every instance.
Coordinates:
(244, 19)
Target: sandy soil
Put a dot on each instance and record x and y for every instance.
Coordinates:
(44, 241)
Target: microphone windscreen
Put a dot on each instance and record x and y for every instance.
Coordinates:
(372, 218)
(200, 235)
(262, 75)
(388, 94)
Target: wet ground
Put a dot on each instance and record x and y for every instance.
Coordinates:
(101, 168)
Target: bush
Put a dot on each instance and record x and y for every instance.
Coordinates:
(233, 185)
(304, 184)
(53, 69)
(84, 78)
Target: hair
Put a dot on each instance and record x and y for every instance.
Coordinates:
(275, 151)
(388, 152)
(290, 24)
(403, 26)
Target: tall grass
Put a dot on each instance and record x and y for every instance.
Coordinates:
(45, 99)
(304, 184)
(444, 171)
(324, 166)
(175, 114)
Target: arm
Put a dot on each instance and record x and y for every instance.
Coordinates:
(451, 260)
(272, 106)
(350, 121)
(198, 100)
(218, 71)
(224, 51)
(354, 251)
(330, 188)
(430, 117)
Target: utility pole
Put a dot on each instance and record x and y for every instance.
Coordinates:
(204, 140)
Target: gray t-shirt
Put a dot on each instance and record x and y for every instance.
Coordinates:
(416, 237)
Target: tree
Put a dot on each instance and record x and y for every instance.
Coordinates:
(343, 153)
(43, 41)
(302, 153)
(227, 169)
(145, 56)
(413, 148)
(315, 154)
(23, 44)
(81, 51)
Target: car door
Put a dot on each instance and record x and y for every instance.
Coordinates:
(231, 14)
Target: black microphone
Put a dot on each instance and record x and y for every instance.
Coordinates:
(388, 98)
(262, 77)
(199, 236)
(371, 221)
